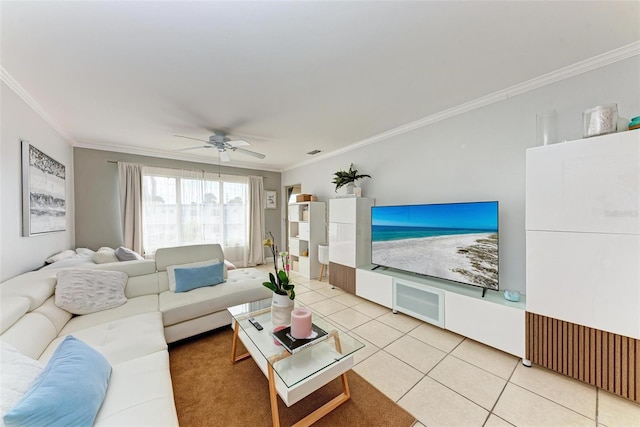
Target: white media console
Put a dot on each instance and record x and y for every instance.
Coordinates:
(491, 320)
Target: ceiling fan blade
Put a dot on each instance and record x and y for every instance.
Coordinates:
(192, 148)
(251, 153)
(238, 143)
(188, 137)
(224, 156)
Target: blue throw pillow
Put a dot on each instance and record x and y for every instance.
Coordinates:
(198, 277)
(68, 392)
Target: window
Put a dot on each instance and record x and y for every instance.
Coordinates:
(186, 207)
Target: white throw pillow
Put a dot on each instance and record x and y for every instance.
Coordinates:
(171, 274)
(88, 291)
(85, 252)
(60, 256)
(105, 255)
(18, 373)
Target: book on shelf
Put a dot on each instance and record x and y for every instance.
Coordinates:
(293, 345)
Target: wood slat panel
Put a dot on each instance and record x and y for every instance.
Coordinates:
(611, 367)
(624, 368)
(565, 347)
(603, 359)
(343, 277)
(598, 349)
(592, 356)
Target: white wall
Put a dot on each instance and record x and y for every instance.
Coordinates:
(479, 155)
(19, 121)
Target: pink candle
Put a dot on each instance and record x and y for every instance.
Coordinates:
(301, 323)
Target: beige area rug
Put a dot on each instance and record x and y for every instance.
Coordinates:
(210, 391)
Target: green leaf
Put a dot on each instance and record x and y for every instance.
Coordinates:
(284, 280)
(274, 282)
(292, 294)
(269, 285)
(288, 287)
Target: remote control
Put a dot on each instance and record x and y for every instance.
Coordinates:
(255, 323)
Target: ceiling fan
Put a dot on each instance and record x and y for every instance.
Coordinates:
(220, 141)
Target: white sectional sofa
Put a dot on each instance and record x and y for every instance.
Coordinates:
(132, 337)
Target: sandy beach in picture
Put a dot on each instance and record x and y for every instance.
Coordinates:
(469, 258)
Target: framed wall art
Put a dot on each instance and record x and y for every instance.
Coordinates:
(44, 190)
(271, 199)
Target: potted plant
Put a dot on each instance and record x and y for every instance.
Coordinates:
(347, 178)
(279, 283)
(283, 290)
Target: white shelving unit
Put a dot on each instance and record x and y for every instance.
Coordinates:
(307, 230)
(349, 239)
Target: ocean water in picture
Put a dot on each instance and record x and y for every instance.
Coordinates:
(382, 233)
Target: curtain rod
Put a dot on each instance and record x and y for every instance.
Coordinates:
(191, 170)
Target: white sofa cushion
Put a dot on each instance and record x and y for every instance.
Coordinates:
(132, 268)
(37, 286)
(139, 394)
(143, 279)
(12, 309)
(57, 316)
(120, 340)
(82, 291)
(187, 254)
(31, 334)
(243, 285)
(18, 373)
(133, 307)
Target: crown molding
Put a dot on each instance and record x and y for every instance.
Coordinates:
(573, 70)
(598, 61)
(170, 155)
(31, 102)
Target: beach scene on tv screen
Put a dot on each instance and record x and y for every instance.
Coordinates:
(457, 241)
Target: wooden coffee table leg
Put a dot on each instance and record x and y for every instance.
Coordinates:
(234, 346)
(273, 397)
(318, 413)
(327, 407)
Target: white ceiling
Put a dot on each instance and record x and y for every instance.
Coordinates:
(289, 77)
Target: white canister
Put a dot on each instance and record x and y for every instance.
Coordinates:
(600, 120)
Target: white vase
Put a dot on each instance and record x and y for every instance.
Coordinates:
(281, 308)
(349, 188)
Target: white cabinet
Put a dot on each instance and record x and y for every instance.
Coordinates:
(583, 232)
(491, 319)
(374, 287)
(307, 230)
(350, 231)
(500, 325)
(590, 185)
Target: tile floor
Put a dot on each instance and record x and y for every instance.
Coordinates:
(444, 379)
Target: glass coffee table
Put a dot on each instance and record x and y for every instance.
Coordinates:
(293, 376)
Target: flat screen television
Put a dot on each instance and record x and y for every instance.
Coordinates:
(452, 241)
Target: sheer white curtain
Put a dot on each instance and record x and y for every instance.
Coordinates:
(130, 186)
(182, 207)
